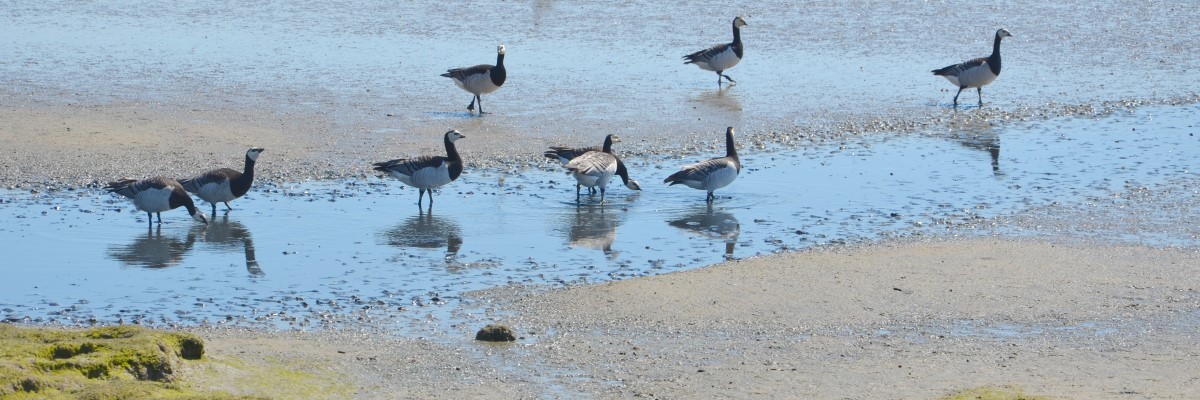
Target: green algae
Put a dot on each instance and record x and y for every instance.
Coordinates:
(112, 362)
(278, 379)
(993, 393)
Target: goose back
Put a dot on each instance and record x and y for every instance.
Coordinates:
(565, 154)
(723, 56)
(156, 194)
(425, 172)
(593, 168)
(713, 173)
(976, 72)
(224, 184)
(482, 78)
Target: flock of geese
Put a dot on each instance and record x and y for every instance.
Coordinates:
(592, 167)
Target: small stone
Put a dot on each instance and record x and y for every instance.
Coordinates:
(495, 333)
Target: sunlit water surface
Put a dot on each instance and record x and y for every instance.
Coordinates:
(361, 253)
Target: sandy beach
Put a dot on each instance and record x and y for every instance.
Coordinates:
(890, 320)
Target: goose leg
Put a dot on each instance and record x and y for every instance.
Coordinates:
(577, 186)
(726, 77)
(431, 197)
(421, 197)
(227, 207)
(956, 96)
(471, 107)
(214, 206)
(159, 217)
(979, 90)
(601, 195)
(480, 101)
(710, 197)
(149, 220)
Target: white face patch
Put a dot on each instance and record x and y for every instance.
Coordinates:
(253, 155)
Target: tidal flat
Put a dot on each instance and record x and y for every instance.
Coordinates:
(877, 234)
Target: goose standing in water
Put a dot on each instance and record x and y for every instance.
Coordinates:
(712, 174)
(480, 79)
(722, 56)
(427, 172)
(224, 184)
(155, 195)
(565, 154)
(593, 169)
(975, 73)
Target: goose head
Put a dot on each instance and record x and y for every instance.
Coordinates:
(500, 49)
(253, 153)
(199, 216)
(609, 141)
(739, 22)
(453, 135)
(1003, 33)
(633, 184)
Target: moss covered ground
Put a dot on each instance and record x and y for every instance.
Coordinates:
(130, 362)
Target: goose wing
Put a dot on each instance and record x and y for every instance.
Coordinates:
(410, 166)
(130, 187)
(215, 176)
(956, 69)
(461, 74)
(592, 162)
(706, 54)
(566, 154)
(124, 187)
(700, 170)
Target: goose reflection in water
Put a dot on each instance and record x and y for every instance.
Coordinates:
(154, 249)
(425, 231)
(990, 144)
(721, 100)
(713, 224)
(229, 235)
(984, 138)
(593, 226)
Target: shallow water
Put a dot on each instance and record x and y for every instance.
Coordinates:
(351, 253)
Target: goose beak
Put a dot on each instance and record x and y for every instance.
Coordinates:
(199, 217)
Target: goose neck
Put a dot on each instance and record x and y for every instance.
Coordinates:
(451, 151)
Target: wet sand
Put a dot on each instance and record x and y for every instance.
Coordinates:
(52, 146)
(891, 320)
